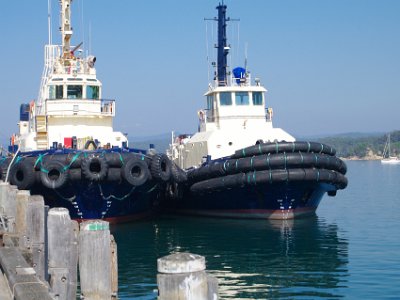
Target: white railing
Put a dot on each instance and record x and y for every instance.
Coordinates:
(232, 81)
(80, 107)
(51, 54)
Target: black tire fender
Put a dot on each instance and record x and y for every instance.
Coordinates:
(53, 174)
(94, 168)
(22, 175)
(135, 172)
(178, 175)
(161, 167)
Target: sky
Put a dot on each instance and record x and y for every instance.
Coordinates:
(329, 66)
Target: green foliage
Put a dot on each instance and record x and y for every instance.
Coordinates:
(350, 146)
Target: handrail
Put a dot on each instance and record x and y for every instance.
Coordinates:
(80, 107)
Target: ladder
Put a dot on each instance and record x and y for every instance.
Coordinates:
(41, 132)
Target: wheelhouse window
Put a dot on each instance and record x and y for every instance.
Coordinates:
(56, 92)
(257, 98)
(74, 91)
(225, 98)
(92, 92)
(210, 102)
(242, 98)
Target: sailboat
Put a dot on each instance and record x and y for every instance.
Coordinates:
(387, 158)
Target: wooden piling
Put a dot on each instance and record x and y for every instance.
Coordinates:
(182, 276)
(8, 205)
(30, 229)
(20, 219)
(114, 268)
(95, 260)
(36, 230)
(63, 254)
(24, 285)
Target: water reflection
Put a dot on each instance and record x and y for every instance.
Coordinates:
(252, 259)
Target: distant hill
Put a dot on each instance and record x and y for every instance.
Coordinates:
(347, 145)
(161, 142)
(362, 145)
(353, 135)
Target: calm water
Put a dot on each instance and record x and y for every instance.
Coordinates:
(350, 250)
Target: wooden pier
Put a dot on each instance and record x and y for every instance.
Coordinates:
(40, 250)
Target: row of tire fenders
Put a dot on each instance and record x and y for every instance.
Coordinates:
(54, 171)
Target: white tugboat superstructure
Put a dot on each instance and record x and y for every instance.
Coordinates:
(70, 103)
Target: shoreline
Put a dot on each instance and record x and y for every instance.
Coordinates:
(360, 158)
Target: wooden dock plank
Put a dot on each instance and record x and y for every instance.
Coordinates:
(5, 293)
(21, 277)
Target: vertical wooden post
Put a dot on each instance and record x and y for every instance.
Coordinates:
(20, 220)
(95, 260)
(73, 265)
(3, 223)
(3, 189)
(183, 277)
(63, 254)
(36, 232)
(114, 268)
(8, 203)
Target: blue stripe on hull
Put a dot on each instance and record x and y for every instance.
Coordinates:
(269, 201)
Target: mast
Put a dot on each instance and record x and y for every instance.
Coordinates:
(223, 48)
(66, 28)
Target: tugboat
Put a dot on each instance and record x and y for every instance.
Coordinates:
(67, 150)
(238, 165)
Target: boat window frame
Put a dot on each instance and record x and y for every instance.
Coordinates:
(261, 94)
(77, 96)
(55, 94)
(225, 101)
(241, 103)
(97, 95)
(210, 102)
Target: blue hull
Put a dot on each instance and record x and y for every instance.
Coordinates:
(117, 185)
(114, 202)
(266, 201)
(270, 181)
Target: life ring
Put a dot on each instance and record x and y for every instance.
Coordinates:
(135, 172)
(22, 175)
(270, 112)
(53, 174)
(94, 168)
(201, 115)
(161, 167)
(31, 106)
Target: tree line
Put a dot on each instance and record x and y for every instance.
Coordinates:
(363, 146)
